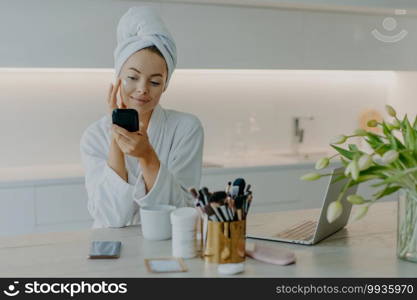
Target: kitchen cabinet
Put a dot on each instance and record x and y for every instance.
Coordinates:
(64, 203)
(17, 210)
(278, 35)
(43, 206)
(274, 187)
(61, 204)
(354, 6)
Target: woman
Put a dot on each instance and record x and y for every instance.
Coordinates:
(156, 165)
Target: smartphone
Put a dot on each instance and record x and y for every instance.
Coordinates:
(127, 118)
(105, 249)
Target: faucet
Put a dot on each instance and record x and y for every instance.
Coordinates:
(298, 132)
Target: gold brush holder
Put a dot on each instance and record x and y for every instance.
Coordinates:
(225, 242)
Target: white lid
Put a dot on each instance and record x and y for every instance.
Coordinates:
(184, 214)
(231, 269)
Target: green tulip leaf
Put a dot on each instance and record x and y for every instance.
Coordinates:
(353, 148)
(388, 190)
(395, 178)
(338, 178)
(346, 153)
(344, 161)
(415, 123)
(410, 137)
(364, 178)
(374, 140)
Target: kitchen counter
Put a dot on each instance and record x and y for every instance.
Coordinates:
(74, 173)
(269, 158)
(364, 249)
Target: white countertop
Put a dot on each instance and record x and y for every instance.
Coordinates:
(268, 158)
(363, 249)
(47, 174)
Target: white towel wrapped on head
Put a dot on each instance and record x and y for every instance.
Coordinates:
(139, 28)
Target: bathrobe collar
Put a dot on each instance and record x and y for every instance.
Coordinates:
(156, 126)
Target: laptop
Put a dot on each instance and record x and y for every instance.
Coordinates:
(310, 232)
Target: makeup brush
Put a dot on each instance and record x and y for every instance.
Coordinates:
(200, 209)
(248, 202)
(228, 186)
(240, 182)
(206, 194)
(232, 208)
(229, 207)
(193, 192)
(217, 200)
(214, 205)
(218, 197)
(216, 208)
(201, 197)
(235, 191)
(195, 195)
(210, 213)
(239, 204)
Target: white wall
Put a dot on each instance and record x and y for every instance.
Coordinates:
(45, 112)
(403, 95)
(81, 33)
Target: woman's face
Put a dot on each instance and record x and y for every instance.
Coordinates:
(143, 80)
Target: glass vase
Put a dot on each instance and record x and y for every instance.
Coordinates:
(407, 225)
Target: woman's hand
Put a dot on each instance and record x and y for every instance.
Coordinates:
(112, 97)
(135, 144)
(116, 159)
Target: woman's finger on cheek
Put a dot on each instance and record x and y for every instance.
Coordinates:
(122, 104)
(114, 94)
(109, 92)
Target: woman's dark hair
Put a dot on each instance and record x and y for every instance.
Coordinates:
(154, 49)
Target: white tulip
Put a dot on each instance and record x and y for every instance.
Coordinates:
(396, 124)
(354, 169)
(364, 162)
(355, 199)
(311, 176)
(360, 132)
(389, 157)
(377, 159)
(390, 110)
(322, 163)
(334, 211)
(340, 139)
(347, 170)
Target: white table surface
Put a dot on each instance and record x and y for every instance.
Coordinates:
(365, 248)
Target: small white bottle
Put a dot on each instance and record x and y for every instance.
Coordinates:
(184, 229)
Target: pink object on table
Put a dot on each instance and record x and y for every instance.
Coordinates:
(270, 254)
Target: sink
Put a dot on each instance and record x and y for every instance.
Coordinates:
(264, 158)
(208, 164)
(308, 156)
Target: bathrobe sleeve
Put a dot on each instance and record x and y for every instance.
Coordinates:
(182, 171)
(110, 198)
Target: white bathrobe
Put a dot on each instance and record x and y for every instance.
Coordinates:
(177, 138)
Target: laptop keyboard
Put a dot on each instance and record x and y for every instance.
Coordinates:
(302, 232)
